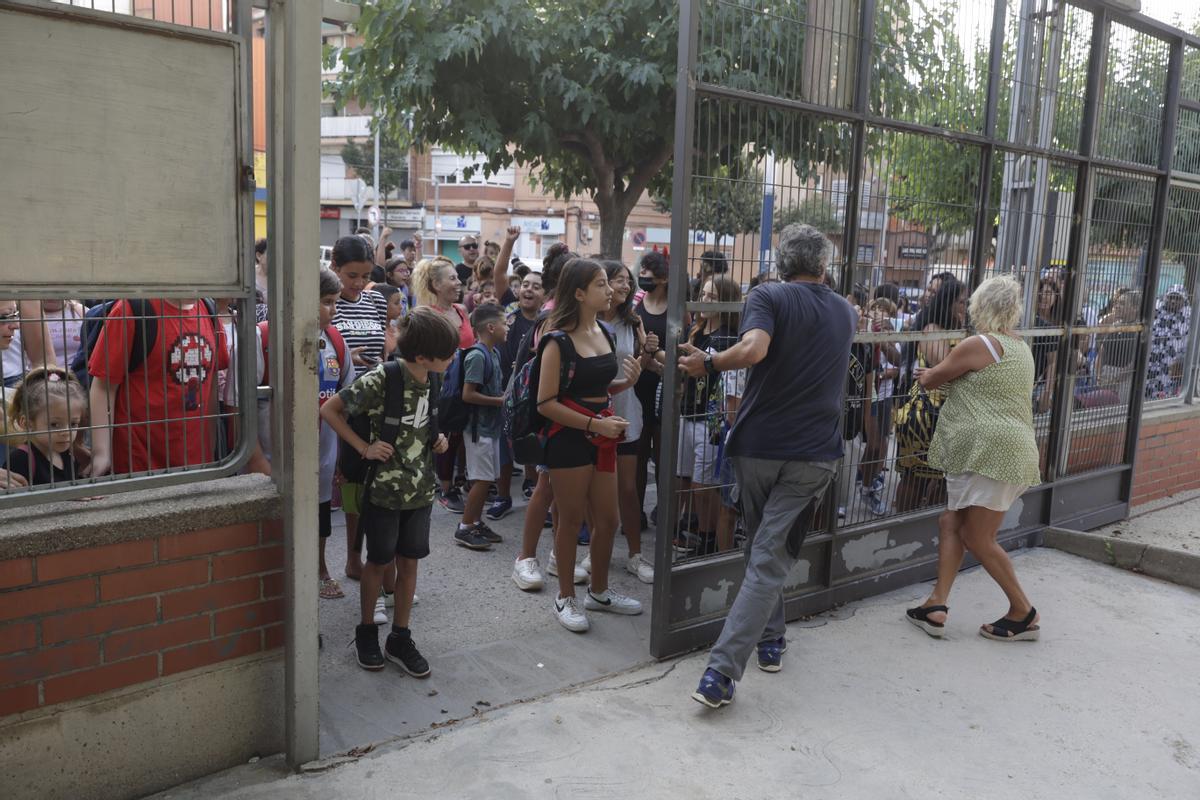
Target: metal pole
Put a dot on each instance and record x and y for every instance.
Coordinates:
(294, 77)
(1162, 196)
(437, 216)
(862, 88)
(1059, 443)
(987, 154)
(378, 210)
(681, 185)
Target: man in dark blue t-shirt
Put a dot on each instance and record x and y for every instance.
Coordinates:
(785, 443)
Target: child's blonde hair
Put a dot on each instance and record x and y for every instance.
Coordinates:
(33, 394)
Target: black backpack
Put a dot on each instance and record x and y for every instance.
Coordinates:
(524, 424)
(145, 332)
(355, 468)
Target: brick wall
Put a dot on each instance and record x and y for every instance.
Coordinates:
(82, 622)
(1168, 459)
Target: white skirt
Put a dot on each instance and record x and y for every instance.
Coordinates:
(964, 489)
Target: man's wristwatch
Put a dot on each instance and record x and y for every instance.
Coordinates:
(709, 366)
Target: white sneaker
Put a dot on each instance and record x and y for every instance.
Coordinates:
(527, 574)
(552, 570)
(637, 566)
(381, 616)
(389, 599)
(416, 599)
(586, 564)
(612, 602)
(566, 609)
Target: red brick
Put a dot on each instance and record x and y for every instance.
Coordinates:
(18, 699)
(16, 572)
(44, 599)
(213, 540)
(193, 656)
(127, 644)
(255, 616)
(210, 598)
(273, 636)
(153, 579)
(273, 585)
(47, 662)
(98, 620)
(18, 636)
(272, 530)
(101, 679)
(91, 560)
(264, 559)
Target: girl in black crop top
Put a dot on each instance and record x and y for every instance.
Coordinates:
(583, 434)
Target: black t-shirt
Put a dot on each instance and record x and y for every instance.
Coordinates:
(792, 408)
(697, 391)
(856, 390)
(518, 326)
(464, 273)
(507, 297)
(647, 384)
(41, 471)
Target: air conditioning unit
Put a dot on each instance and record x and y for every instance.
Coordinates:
(473, 204)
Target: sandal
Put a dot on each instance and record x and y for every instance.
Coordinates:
(919, 616)
(331, 589)
(1013, 630)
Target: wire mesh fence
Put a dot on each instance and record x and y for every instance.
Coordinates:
(921, 202)
(99, 391)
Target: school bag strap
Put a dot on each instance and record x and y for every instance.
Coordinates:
(331, 333)
(393, 412)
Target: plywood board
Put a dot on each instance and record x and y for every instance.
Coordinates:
(119, 162)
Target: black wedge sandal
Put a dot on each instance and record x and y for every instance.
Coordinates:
(1013, 630)
(920, 617)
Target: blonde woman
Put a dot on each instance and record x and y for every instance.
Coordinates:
(435, 284)
(984, 443)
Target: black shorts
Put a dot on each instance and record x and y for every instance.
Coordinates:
(325, 519)
(395, 533)
(629, 448)
(569, 447)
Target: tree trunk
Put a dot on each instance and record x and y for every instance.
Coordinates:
(612, 227)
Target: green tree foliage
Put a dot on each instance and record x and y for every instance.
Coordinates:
(393, 165)
(582, 91)
(727, 203)
(815, 211)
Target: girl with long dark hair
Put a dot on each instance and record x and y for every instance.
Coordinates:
(626, 326)
(580, 452)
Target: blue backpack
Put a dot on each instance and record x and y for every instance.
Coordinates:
(454, 413)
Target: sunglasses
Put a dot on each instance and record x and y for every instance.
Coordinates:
(14, 316)
(470, 247)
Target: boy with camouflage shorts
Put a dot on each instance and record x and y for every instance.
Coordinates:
(395, 516)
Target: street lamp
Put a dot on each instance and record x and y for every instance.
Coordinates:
(437, 217)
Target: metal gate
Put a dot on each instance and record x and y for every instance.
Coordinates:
(929, 141)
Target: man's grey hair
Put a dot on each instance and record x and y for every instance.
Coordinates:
(803, 250)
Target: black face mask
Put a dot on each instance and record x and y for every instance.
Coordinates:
(646, 284)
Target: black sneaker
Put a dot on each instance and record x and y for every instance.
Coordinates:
(452, 501)
(487, 533)
(366, 642)
(471, 539)
(527, 488)
(402, 651)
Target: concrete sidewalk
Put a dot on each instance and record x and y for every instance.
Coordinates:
(1104, 706)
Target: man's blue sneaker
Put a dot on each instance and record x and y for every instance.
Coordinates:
(499, 508)
(585, 536)
(770, 654)
(715, 690)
